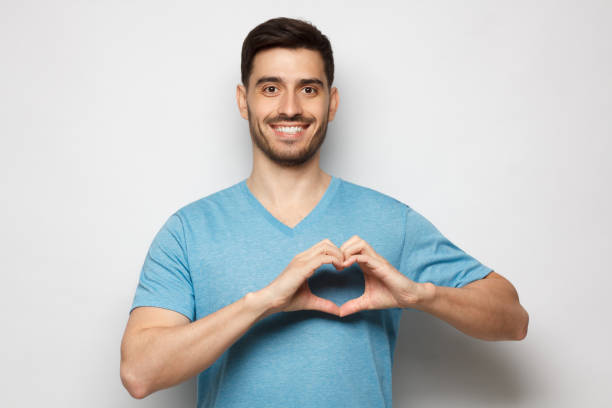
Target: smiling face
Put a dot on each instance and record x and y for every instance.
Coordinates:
(288, 104)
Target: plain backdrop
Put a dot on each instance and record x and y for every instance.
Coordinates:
(490, 118)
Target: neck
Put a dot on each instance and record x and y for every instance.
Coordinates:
(282, 187)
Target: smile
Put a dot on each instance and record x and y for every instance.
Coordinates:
(286, 131)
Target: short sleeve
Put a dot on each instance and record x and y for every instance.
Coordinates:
(165, 280)
(428, 256)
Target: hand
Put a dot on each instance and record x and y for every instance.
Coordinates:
(385, 286)
(290, 291)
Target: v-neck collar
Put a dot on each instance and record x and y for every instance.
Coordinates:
(308, 219)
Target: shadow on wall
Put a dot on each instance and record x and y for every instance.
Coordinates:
(437, 365)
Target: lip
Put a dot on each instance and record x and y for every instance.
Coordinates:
(289, 136)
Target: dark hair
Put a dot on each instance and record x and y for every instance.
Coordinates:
(286, 33)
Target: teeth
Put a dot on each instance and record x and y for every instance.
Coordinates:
(287, 129)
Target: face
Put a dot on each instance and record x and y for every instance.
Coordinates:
(288, 104)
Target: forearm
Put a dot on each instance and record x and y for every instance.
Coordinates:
(161, 357)
(487, 309)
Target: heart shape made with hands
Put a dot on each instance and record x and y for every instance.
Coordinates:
(366, 281)
(339, 286)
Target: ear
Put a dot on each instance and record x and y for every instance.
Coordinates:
(241, 99)
(334, 100)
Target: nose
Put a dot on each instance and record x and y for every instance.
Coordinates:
(290, 105)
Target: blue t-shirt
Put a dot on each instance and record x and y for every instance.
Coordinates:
(213, 251)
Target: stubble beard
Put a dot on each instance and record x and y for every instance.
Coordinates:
(289, 157)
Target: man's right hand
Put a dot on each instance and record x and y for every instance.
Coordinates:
(161, 348)
(290, 292)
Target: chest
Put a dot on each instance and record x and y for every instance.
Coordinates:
(228, 266)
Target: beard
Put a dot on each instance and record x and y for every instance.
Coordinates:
(287, 157)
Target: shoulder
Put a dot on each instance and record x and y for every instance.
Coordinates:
(210, 206)
(370, 199)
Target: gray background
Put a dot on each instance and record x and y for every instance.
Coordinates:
(492, 119)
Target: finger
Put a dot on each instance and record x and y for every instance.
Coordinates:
(382, 270)
(330, 248)
(352, 249)
(324, 242)
(373, 264)
(326, 248)
(323, 259)
(350, 259)
(349, 242)
(316, 248)
(324, 245)
(353, 306)
(316, 261)
(314, 302)
(359, 246)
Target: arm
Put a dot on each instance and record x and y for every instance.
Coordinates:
(487, 309)
(160, 348)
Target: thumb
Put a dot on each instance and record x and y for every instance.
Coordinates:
(306, 300)
(313, 302)
(353, 306)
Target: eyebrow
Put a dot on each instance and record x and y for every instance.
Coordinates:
(301, 82)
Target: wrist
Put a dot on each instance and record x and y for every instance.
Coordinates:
(260, 302)
(424, 295)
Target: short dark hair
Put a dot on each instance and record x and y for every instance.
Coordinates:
(286, 33)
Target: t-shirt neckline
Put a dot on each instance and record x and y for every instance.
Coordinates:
(307, 220)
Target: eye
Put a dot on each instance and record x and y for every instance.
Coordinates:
(310, 90)
(270, 89)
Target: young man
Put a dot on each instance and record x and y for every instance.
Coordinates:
(287, 288)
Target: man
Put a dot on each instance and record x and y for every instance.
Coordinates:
(286, 289)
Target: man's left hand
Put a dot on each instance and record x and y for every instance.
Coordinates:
(385, 286)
